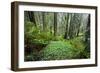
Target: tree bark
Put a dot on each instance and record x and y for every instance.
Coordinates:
(70, 33)
(87, 35)
(32, 17)
(79, 24)
(44, 23)
(55, 24)
(67, 23)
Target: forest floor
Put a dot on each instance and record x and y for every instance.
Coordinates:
(59, 50)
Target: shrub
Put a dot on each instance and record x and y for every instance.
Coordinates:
(57, 38)
(79, 44)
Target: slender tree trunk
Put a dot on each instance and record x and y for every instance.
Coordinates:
(78, 28)
(55, 24)
(67, 23)
(70, 33)
(32, 17)
(87, 35)
(77, 33)
(44, 23)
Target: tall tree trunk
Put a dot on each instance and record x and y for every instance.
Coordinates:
(78, 27)
(67, 23)
(32, 17)
(87, 35)
(78, 31)
(44, 23)
(55, 24)
(70, 33)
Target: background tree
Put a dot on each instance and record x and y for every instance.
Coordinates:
(44, 23)
(67, 18)
(55, 24)
(87, 34)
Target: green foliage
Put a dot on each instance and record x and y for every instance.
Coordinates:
(53, 51)
(79, 45)
(33, 56)
(77, 42)
(56, 35)
(57, 38)
(59, 50)
(85, 54)
(33, 34)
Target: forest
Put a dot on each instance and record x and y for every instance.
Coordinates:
(56, 36)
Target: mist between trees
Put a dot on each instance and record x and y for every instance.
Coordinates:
(56, 35)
